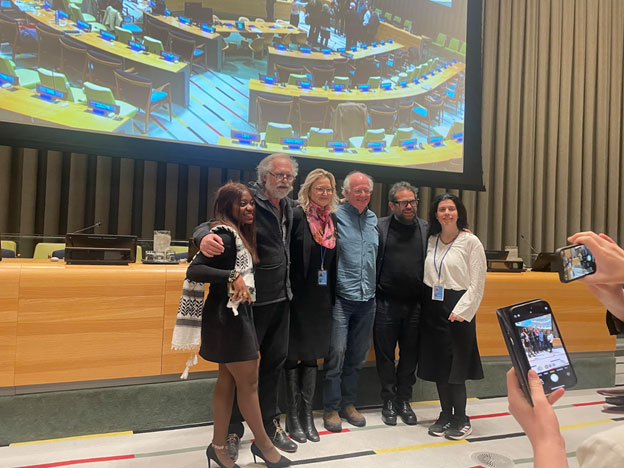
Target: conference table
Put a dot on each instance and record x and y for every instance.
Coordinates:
(149, 65)
(73, 323)
(249, 8)
(447, 157)
(371, 97)
(386, 30)
(23, 105)
(296, 58)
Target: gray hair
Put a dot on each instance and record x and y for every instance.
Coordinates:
(401, 186)
(265, 166)
(346, 185)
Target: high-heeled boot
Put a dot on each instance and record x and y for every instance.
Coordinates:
(308, 384)
(293, 426)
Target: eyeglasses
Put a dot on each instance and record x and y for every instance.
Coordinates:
(361, 191)
(282, 176)
(403, 203)
(327, 190)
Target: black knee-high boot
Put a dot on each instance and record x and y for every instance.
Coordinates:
(308, 384)
(293, 426)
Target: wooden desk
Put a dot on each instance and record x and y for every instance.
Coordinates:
(249, 8)
(295, 58)
(433, 158)
(387, 30)
(61, 323)
(150, 65)
(372, 97)
(23, 105)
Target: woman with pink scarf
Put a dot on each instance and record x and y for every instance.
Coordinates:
(313, 279)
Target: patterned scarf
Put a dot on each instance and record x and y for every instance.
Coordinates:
(321, 225)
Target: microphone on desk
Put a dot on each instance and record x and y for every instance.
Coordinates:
(99, 223)
(529, 244)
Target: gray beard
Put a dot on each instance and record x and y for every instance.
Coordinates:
(276, 192)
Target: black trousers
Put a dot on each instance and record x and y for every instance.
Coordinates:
(396, 321)
(272, 325)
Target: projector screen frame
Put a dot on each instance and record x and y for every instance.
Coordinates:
(128, 146)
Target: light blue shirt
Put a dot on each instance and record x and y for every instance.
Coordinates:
(357, 253)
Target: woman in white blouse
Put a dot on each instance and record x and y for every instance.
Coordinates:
(454, 279)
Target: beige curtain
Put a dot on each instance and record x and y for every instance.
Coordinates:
(552, 146)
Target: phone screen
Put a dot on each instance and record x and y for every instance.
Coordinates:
(577, 261)
(543, 347)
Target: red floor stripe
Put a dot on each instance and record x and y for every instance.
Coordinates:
(233, 87)
(78, 462)
(590, 403)
(493, 415)
(232, 111)
(214, 130)
(330, 432)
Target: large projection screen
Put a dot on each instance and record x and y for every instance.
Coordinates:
(391, 87)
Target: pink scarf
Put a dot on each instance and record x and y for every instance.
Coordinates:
(321, 225)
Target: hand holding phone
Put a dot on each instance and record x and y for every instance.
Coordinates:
(534, 342)
(575, 261)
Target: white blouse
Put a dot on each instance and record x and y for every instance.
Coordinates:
(463, 269)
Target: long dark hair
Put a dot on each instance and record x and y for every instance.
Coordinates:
(229, 196)
(462, 216)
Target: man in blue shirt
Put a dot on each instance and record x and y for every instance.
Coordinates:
(354, 311)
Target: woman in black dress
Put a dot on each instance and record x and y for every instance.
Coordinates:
(455, 269)
(228, 335)
(313, 279)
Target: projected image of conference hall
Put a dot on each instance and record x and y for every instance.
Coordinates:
(379, 82)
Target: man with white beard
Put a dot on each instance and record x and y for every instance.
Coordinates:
(274, 217)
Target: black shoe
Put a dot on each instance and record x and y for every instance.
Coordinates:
(212, 456)
(388, 413)
(406, 413)
(281, 440)
(256, 452)
(232, 443)
(440, 427)
(460, 428)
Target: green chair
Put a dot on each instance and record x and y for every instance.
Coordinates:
(59, 81)
(379, 12)
(388, 16)
(374, 81)
(153, 46)
(403, 76)
(320, 136)
(76, 14)
(8, 245)
(123, 35)
(341, 80)
(397, 20)
(440, 40)
(179, 248)
(457, 127)
(45, 249)
(275, 132)
(453, 45)
(403, 133)
(372, 134)
(294, 78)
(26, 78)
(139, 254)
(105, 95)
(462, 50)
(407, 25)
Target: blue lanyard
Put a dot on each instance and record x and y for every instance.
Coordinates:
(323, 250)
(435, 252)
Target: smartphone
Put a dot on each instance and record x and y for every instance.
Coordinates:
(534, 342)
(575, 261)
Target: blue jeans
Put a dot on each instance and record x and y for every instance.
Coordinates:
(352, 327)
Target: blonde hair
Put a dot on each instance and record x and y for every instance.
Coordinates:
(311, 178)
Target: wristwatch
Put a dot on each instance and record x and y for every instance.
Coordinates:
(233, 276)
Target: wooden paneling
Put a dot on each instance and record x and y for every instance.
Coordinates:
(174, 362)
(62, 323)
(88, 322)
(9, 291)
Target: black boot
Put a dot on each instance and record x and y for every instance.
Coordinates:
(308, 384)
(293, 426)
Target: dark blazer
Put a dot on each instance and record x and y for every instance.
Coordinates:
(272, 272)
(301, 259)
(383, 226)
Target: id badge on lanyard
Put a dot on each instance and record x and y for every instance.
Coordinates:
(437, 292)
(322, 273)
